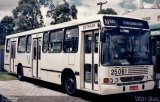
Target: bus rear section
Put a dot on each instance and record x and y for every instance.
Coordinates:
(125, 58)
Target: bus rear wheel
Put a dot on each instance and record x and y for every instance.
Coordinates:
(20, 73)
(70, 85)
(20, 77)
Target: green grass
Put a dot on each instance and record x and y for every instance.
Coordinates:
(4, 76)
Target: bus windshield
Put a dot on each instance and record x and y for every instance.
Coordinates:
(126, 47)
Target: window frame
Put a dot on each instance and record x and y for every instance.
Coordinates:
(47, 32)
(27, 43)
(96, 35)
(55, 31)
(86, 43)
(19, 42)
(39, 49)
(8, 50)
(13, 49)
(64, 39)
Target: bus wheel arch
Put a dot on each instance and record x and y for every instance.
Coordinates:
(68, 80)
(20, 75)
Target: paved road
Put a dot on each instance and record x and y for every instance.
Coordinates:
(18, 88)
(39, 91)
(32, 90)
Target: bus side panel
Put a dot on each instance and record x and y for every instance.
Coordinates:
(43, 64)
(25, 60)
(53, 64)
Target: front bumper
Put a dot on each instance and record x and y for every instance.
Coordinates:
(114, 89)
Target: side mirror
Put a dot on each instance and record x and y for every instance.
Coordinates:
(103, 37)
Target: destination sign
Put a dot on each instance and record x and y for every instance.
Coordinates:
(90, 26)
(125, 22)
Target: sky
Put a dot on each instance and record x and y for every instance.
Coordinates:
(85, 7)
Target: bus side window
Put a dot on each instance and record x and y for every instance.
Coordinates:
(45, 42)
(96, 42)
(22, 44)
(71, 39)
(39, 49)
(29, 44)
(55, 44)
(88, 41)
(34, 50)
(8, 44)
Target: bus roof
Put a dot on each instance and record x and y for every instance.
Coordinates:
(67, 24)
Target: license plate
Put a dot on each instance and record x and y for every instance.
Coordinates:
(133, 87)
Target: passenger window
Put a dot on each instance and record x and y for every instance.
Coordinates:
(29, 43)
(22, 44)
(55, 44)
(88, 41)
(39, 49)
(8, 46)
(45, 42)
(13, 50)
(96, 42)
(35, 49)
(71, 39)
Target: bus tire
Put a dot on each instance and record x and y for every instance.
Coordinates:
(70, 85)
(20, 73)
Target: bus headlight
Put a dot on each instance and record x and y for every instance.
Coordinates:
(111, 80)
(116, 80)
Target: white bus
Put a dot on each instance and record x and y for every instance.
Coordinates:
(155, 33)
(101, 54)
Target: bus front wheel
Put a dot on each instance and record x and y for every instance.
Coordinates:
(70, 85)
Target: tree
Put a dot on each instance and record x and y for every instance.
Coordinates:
(60, 13)
(107, 11)
(6, 27)
(27, 15)
(74, 12)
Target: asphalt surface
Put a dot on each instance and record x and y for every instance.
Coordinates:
(32, 90)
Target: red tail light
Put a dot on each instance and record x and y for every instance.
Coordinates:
(106, 80)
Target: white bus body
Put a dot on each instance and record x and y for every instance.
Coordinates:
(79, 54)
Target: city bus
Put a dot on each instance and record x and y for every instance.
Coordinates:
(102, 54)
(155, 35)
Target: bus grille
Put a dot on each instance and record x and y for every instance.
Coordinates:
(131, 78)
(130, 83)
(137, 70)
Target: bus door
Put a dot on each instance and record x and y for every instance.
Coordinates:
(13, 55)
(91, 60)
(36, 50)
